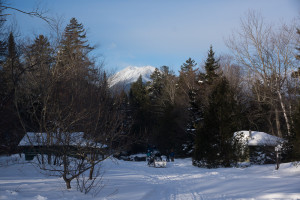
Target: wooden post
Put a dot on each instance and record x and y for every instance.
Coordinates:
(278, 153)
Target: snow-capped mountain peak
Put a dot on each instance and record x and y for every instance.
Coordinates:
(129, 75)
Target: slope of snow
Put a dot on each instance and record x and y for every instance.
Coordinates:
(123, 180)
(130, 75)
(258, 138)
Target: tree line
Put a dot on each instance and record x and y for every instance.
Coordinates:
(254, 88)
(56, 88)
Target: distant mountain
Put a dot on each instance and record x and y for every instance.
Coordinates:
(123, 79)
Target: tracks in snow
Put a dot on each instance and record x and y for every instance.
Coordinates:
(170, 184)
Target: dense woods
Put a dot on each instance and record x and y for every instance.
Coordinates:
(56, 88)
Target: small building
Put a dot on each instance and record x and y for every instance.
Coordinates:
(259, 147)
(54, 144)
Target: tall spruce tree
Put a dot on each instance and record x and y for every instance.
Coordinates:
(140, 112)
(211, 65)
(10, 75)
(39, 58)
(166, 131)
(188, 66)
(73, 57)
(214, 145)
(155, 86)
(189, 96)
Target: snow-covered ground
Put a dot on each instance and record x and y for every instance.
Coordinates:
(135, 180)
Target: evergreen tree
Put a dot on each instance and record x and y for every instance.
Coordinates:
(10, 75)
(211, 65)
(137, 93)
(214, 145)
(163, 111)
(38, 61)
(40, 58)
(188, 66)
(189, 98)
(155, 86)
(3, 42)
(12, 69)
(140, 112)
(73, 57)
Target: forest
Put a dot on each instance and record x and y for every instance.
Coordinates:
(53, 85)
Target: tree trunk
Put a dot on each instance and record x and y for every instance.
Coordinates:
(284, 114)
(68, 184)
(67, 181)
(49, 158)
(279, 134)
(92, 171)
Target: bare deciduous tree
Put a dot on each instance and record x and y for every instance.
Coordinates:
(268, 55)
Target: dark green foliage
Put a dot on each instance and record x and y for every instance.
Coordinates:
(10, 74)
(12, 67)
(168, 132)
(137, 94)
(3, 42)
(211, 65)
(156, 86)
(140, 112)
(188, 66)
(214, 144)
(73, 56)
(189, 100)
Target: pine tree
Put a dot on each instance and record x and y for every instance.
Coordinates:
(137, 93)
(155, 86)
(140, 112)
(211, 65)
(10, 76)
(189, 98)
(188, 66)
(73, 57)
(40, 58)
(3, 42)
(38, 61)
(163, 111)
(214, 145)
(12, 68)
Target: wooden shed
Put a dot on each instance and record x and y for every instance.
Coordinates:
(259, 147)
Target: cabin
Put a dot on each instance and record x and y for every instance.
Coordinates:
(56, 144)
(258, 147)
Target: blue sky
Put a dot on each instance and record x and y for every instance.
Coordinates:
(157, 32)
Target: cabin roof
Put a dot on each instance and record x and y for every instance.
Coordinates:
(58, 139)
(258, 138)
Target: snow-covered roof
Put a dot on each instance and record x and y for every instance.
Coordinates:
(72, 139)
(258, 138)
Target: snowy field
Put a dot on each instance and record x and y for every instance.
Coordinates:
(124, 180)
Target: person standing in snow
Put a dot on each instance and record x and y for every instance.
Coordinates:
(148, 155)
(172, 155)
